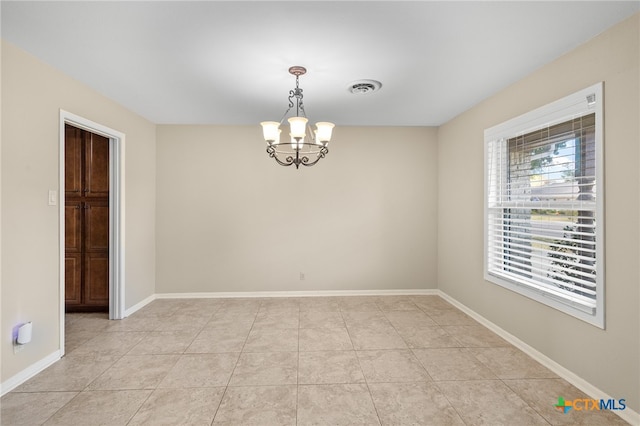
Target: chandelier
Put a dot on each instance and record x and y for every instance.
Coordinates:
(306, 146)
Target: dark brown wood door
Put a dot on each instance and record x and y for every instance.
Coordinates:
(86, 220)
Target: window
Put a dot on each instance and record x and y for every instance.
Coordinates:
(543, 212)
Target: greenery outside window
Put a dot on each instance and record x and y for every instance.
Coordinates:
(544, 211)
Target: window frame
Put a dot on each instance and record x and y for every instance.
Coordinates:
(570, 107)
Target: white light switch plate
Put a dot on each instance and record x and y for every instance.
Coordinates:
(53, 197)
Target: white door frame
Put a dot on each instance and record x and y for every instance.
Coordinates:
(116, 215)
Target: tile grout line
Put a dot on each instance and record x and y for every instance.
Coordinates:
(235, 366)
(528, 405)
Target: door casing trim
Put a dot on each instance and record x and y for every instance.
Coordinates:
(116, 215)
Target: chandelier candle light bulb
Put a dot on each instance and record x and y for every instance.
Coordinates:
(298, 126)
(270, 131)
(301, 152)
(323, 134)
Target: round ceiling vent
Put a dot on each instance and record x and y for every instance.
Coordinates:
(363, 87)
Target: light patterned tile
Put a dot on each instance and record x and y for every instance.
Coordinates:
(201, 371)
(96, 323)
(450, 317)
(452, 364)
(100, 408)
(475, 336)
(358, 304)
(329, 367)
(163, 342)
(427, 337)
(324, 339)
(364, 338)
(429, 303)
(489, 402)
(512, 363)
(409, 319)
(33, 408)
(135, 372)
(251, 345)
(73, 340)
(413, 404)
(396, 303)
(280, 304)
(109, 344)
(321, 319)
(68, 374)
(266, 368)
(136, 323)
(258, 405)
(240, 321)
(272, 340)
(182, 321)
(396, 365)
(184, 407)
(286, 318)
(239, 306)
(335, 405)
(205, 307)
(319, 304)
(219, 340)
(365, 319)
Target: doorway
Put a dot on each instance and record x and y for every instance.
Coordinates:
(92, 203)
(86, 221)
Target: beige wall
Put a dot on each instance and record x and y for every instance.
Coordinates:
(32, 95)
(608, 359)
(230, 219)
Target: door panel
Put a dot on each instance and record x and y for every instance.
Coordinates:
(72, 161)
(73, 278)
(73, 226)
(96, 279)
(97, 166)
(96, 214)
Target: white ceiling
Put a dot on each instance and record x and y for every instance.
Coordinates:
(211, 62)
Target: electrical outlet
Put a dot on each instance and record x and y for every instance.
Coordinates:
(17, 348)
(301, 276)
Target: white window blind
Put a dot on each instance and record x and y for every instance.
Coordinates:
(543, 215)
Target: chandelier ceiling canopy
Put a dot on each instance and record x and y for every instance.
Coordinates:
(305, 146)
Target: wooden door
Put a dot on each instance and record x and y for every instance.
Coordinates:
(86, 220)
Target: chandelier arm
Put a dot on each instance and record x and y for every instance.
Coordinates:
(285, 114)
(292, 94)
(321, 154)
(313, 163)
(316, 151)
(271, 150)
(283, 163)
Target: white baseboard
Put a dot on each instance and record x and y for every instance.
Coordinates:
(317, 293)
(627, 415)
(140, 305)
(29, 372)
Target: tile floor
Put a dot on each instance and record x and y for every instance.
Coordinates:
(414, 360)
